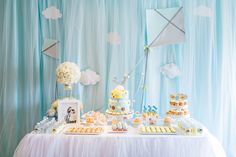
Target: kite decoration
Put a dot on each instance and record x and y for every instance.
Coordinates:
(50, 48)
(165, 26)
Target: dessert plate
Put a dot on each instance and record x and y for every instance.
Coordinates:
(157, 130)
(115, 132)
(84, 131)
(78, 133)
(110, 130)
(155, 133)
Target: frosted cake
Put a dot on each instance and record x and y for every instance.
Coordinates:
(119, 102)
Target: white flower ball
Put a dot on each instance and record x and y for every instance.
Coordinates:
(68, 73)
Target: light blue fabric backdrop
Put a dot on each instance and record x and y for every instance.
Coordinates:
(27, 77)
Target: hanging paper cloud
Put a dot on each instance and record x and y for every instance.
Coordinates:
(114, 38)
(50, 48)
(170, 70)
(203, 11)
(89, 77)
(52, 13)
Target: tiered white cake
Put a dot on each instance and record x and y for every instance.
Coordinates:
(119, 102)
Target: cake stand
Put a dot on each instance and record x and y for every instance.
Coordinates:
(119, 116)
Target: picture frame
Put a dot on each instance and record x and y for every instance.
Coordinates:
(69, 110)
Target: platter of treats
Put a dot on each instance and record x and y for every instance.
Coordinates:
(157, 130)
(84, 130)
(120, 127)
(190, 127)
(178, 113)
(94, 118)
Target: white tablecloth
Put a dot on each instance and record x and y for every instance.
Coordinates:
(119, 145)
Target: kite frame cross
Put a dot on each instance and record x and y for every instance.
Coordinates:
(169, 22)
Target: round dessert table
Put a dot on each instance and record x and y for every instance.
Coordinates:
(129, 144)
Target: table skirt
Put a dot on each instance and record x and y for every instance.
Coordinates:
(118, 145)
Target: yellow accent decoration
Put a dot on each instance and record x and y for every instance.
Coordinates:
(118, 94)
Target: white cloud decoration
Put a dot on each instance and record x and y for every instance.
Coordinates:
(52, 13)
(203, 11)
(89, 77)
(113, 38)
(170, 70)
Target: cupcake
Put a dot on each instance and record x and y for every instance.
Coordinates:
(89, 120)
(144, 114)
(167, 121)
(172, 103)
(137, 120)
(181, 113)
(181, 103)
(114, 127)
(152, 121)
(186, 112)
(124, 126)
(119, 126)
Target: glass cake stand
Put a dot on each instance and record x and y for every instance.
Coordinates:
(119, 116)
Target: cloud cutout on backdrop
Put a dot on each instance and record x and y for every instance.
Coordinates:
(170, 70)
(52, 13)
(203, 11)
(89, 77)
(113, 38)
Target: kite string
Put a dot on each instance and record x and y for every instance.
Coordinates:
(136, 65)
(127, 76)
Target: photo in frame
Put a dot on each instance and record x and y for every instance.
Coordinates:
(69, 111)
